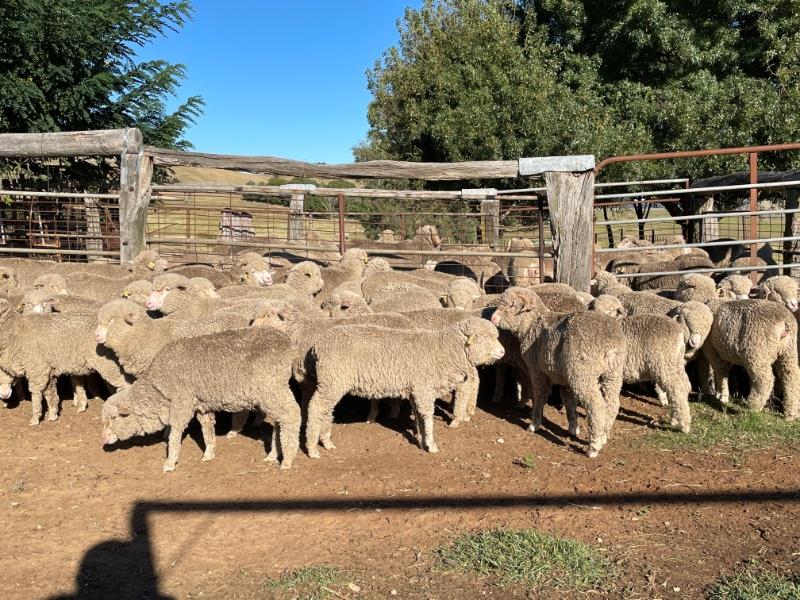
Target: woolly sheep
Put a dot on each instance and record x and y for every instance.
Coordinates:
(734, 287)
(781, 289)
(409, 298)
(374, 362)
(350, 268)
(461, 293)
(343, 304)
(684, 263)
(228, 371)
(583, 352)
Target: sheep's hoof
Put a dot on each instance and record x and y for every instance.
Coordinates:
(52, 416)
(328, 445)
(532, 428)
(285, 466)
(433, 448)
(575, 431)
(271, 457)
(34, 421)
(169, 467)
(81, 407)
(231, 434)
(208, 456)
(454, 423)
(371, 418)
(685, 429)
(313, 453)
(592, 452)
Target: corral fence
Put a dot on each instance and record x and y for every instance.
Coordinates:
(562, 229)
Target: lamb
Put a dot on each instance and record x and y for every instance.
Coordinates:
(781, 289)
(734, 287)
(655, 352)
(255, 273)
(136, 339)
(42, 347)
(583, 352)
(375, 362)
(228, 371)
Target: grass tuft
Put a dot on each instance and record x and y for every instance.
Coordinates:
(308, 583)
(736, 427)
(528, 557)
(754, 583)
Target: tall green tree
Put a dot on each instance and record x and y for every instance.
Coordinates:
(500, 79)
(71, 65)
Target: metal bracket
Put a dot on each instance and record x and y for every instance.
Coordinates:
(562, 164)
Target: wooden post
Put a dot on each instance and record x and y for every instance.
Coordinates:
(710, 230)
(791, 228)
(91, 214)
(296, 226)
(570, 198)
(136, 174)
(490, 215)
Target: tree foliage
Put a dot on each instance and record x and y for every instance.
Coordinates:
(68, 65)
(501, 79)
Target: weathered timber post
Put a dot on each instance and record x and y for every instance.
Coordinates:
(296, 226)
(94, 233)
(490, 214)
(135, 183)
(570, 201)
(710, 226)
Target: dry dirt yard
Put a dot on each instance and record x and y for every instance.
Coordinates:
(657, 515)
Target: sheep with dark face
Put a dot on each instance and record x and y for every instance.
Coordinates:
(582, 352)
(228, 371)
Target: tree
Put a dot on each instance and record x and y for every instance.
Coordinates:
(500, 79)
(71, 65)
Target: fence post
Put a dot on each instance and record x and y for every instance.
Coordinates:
(136, 178)
(94, 233)
(490, 216)
(296, 226)
(710, 226)
(570, 200)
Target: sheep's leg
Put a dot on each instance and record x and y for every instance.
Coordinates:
(177, 425)
(721, 371)
(761, 383)
(37, 399)
(92, 387)
(51, 397)
(466, 396)
(662, 396)
(524, 387)
(79, 400)
(19, 389)
(571, 405)
(596, 414)
(705, 375)
(676, 386)
(395, 412)
(272, 455)
(540, 389)
(425, 402)
(789, 375)
(207, 421)
(374, 408)
(499, 383)
(610, 386)
(289, 433)
(238, 421)
(325, 438)
(320, 414)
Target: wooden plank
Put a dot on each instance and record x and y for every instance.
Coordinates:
(381, 169)
(570, 200)
(103, 142)
(136, 174)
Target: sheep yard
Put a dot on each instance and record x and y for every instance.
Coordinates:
(672, 516)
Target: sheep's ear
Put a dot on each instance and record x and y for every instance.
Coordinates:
(123, 410)
(132, 317)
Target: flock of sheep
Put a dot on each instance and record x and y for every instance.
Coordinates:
(180, 342)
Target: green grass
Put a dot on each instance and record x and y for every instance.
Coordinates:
(308, 583)
(754, 583)
(736, 427)
(528, 557)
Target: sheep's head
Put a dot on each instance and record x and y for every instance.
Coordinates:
(37, 302)
(520, 245)
(137, 291)
(515, 303)
(202, 287)
(376, 265)
(695, 286)
(734, 287)
(354, 258)
(429, 235)
(116, 319)
(345, 304)
(696, 319)
(8, 281)
(480, 339)
(52, 283)
(246, 257)
(148, 262)
(608, 305)
(387, 235)
(256, 273)
(461, 293)
(604, 282)
(430, 265)
(306, 277)
(6, 385)
(162, 286)
(124, 418)
(275, 313)
(781, 289)
(523, 272)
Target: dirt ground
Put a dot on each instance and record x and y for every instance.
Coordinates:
(79, 521)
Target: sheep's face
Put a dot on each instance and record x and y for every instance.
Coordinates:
(203, 288)
(37, 302)
(8, 281)
(376, 265)
(305, 276)
(342, 305)
(514, 303)
(697, 287)
(162, 286)
(608, 305)
(428, 234)
(461, 295)
(354, 258)
(6, 385)
(734, 287)
(781, 289)
(116, 319)
(256, 273)
(481, 342)
(52, 283)
(149, 262)
(123, 420)
(387, 235)
(696, 319)
(603, 282)
(275, 313)
(524, 272)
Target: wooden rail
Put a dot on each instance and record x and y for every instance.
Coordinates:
(103, 142)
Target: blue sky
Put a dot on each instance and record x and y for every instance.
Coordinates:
(282, 78)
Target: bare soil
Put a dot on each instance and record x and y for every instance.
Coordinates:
(79, 521)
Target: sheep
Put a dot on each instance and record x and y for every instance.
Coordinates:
(200, 286)
(228, 371)
(42, 347)
(137, 291)
(162, 286)
(461, 293)
(696, 286)
(9, 284)
(255, 273)
(583, 352)
(655, 352)
(375, 362)
(684, 263)
(382, 286)
(409, 298)
(125, 328)
(781, 289)
(216, 276)
(343, 304)
(146, 264)
(734, 287)
(561, 303)
(350, 268)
